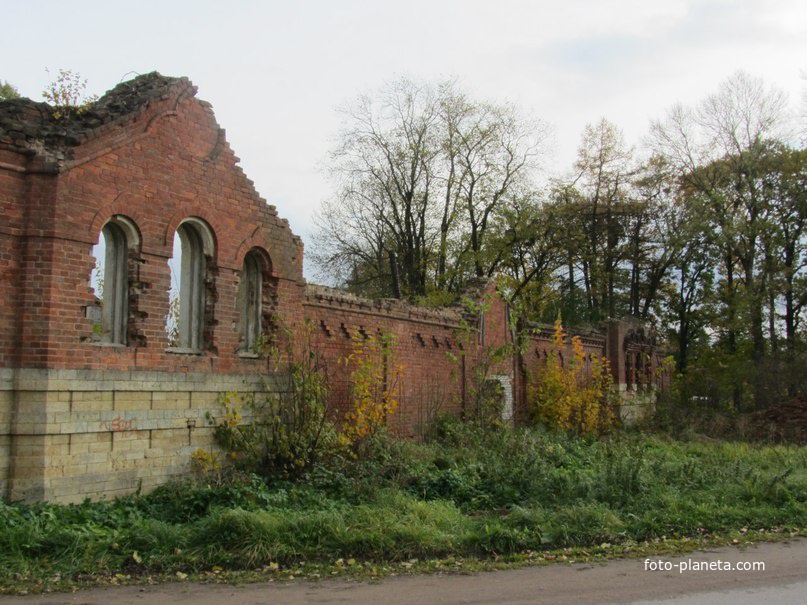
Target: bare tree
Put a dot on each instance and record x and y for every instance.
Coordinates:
(421, 173)
(385, 168)
(492, 153)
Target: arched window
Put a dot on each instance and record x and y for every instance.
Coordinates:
(111, 279)
(255, 299)
(190, 286)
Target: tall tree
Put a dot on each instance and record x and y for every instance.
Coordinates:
(783, 180)
(719, 149)
(386, 167)
(422, 173)
(491, 151)
(654, 243)
(605, 171)
(529, 246)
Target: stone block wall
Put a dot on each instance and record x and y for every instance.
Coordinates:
(75, 434)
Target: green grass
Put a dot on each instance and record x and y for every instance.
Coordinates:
(501, 495)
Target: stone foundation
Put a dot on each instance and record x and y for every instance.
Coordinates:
(636, 406)
(67, 435)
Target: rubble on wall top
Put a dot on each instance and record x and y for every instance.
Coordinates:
(335, 296)
(546, 330)
(476, 287)
(455, 312)
(30, 127)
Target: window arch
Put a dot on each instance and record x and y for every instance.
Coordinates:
(255, 299)
(191, 293)
(112, 279)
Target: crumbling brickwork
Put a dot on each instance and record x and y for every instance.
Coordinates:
(80, 417)
(436, 351)
(103, 403)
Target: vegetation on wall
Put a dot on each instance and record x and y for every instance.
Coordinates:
(570, 393)
(66, 93)
(288, 428)
(705, 236)
(295, 424)
(375, 384)
(8, 91)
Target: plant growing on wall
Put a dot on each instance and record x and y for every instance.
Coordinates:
(66, 94)
(573, 395)
(375, 379)
(486, 405)
(8, 91)
(287, 429)
(485, 401)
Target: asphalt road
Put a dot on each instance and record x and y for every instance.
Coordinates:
(783, 581)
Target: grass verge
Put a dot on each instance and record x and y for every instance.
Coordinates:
(467, 500)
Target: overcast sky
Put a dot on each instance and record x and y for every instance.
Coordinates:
(276, 72)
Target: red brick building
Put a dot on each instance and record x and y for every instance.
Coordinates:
(105, 399)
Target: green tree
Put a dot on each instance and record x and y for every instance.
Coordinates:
(687, 293)
(784, 240)
(8, 91)
(599, 205)
(724, 152)
(527, 245)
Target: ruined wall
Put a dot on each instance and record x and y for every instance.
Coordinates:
(79, 417)
(539, 345)
(435, 355)
(638, 367)
(89, 414)
(631, 352)
(157, 166)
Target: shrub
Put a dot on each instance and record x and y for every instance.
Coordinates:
(578, 397)
(66, 94)
(374, 388)
(287, 431)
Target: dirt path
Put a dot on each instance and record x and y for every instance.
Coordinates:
(621, 581)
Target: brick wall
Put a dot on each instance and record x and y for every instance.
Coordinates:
(436, 351)
(539, 345)
(166, 164)
(79, 417)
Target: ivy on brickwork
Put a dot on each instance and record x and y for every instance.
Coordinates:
(573, 395)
